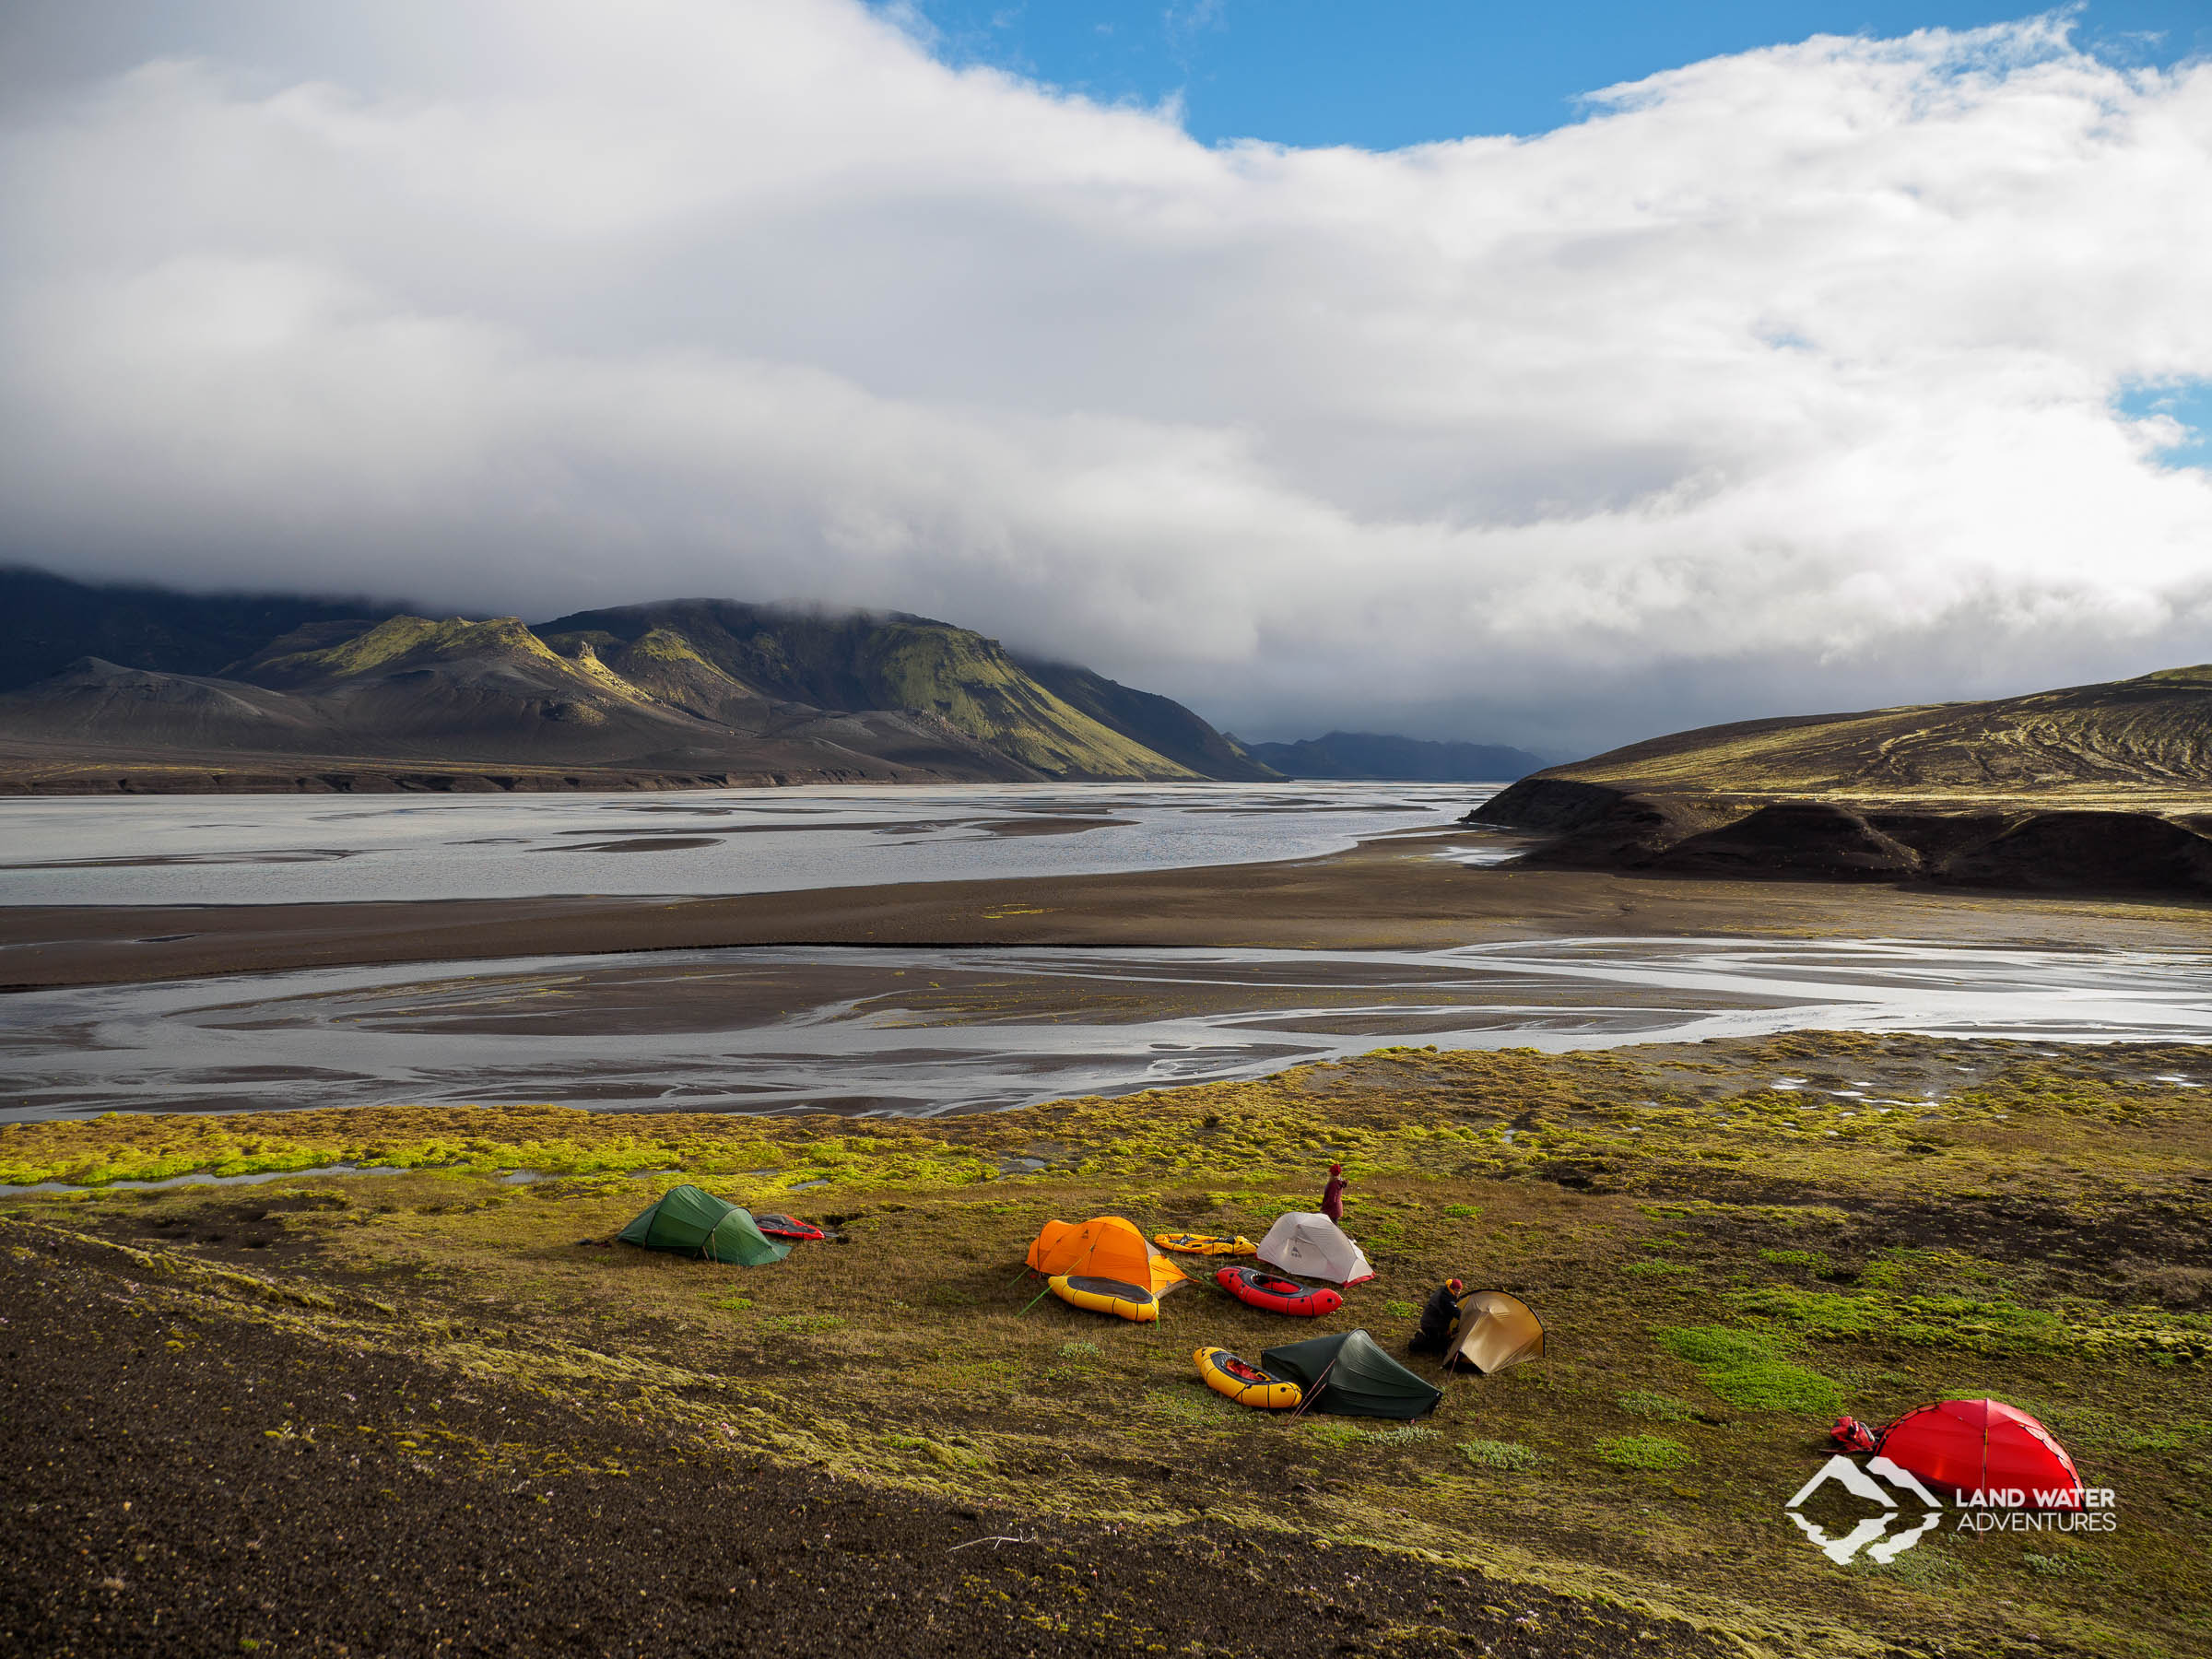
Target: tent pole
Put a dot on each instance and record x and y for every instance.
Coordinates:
(1314, 1392)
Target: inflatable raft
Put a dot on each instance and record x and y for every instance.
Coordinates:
(788, 1227)
(1106, 1295)
(1211, 1244)
(1245, 1383)
(1257, 1287)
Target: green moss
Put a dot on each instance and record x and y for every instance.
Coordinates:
(1744, 1369)
(1813, 1260)
(1642, 1402)
(1654, 1451)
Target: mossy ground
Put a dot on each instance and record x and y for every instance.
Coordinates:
(1727, 1243)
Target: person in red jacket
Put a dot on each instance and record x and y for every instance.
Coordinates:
(1332, 1197)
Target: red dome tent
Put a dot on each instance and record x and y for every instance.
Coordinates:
(1981, 1445)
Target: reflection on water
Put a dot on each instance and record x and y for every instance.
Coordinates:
(924, 1031)
(301, 848)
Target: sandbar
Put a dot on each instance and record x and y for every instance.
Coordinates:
(1400, 891)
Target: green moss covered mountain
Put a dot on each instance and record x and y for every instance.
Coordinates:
(706, 691)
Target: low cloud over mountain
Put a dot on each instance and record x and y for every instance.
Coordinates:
(1786, 381)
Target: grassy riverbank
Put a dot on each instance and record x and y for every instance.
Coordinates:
(1729, 1243)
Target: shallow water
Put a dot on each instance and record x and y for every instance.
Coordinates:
(927, 1031)
(304, 849)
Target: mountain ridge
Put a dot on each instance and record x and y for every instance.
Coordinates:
(692, 689)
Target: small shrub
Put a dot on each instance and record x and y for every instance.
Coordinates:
(1461, 1212)
(1405, 1434)
(1400, 1310)
(735, 1304)
(1654, 1451)
(1499, 1455)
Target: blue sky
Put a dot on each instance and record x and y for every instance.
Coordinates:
(2188, 402)
(1383, 73)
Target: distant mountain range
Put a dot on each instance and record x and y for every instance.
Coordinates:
(140, 688)
(143, 689)
(1369, 756)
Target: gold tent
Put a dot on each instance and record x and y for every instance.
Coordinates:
(1494, 1331)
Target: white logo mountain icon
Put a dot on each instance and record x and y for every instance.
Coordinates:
(1860, 1483)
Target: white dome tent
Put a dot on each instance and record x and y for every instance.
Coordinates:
(1308, 1243)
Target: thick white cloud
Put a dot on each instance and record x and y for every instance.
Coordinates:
(1786, 382)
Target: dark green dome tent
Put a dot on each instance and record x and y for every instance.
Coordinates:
(694, 1222)
(1351, 1376)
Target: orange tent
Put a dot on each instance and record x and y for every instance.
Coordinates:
(1103, 1247)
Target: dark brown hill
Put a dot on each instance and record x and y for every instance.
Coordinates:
(2102, 788)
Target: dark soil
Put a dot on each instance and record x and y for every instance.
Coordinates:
(186, 1484)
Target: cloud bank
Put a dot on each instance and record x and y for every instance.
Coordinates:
(1786, 382)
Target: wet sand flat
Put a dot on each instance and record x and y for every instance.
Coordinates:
(1401, 892)
(912, 1031)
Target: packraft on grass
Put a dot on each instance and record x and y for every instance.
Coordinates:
(1244, 1383)
(787, 1227)
(1257, 1287)
(692, 1221)
(1211, 1244)
(1351, 1376)
(1121, 1299)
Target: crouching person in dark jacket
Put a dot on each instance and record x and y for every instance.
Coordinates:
(1437, 1319)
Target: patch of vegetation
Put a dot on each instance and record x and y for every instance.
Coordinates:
(1499, 1455)
(1654, 1451)
(1746, 1369)
(1815, 1261)
(800, 1324)
(1405, 1434)
(1642, 1402)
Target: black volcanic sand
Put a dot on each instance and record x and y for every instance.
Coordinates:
(195, 1486)
(1391, 893)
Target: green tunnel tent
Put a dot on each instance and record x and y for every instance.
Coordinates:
(1351, 1376)
(692, 1221)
